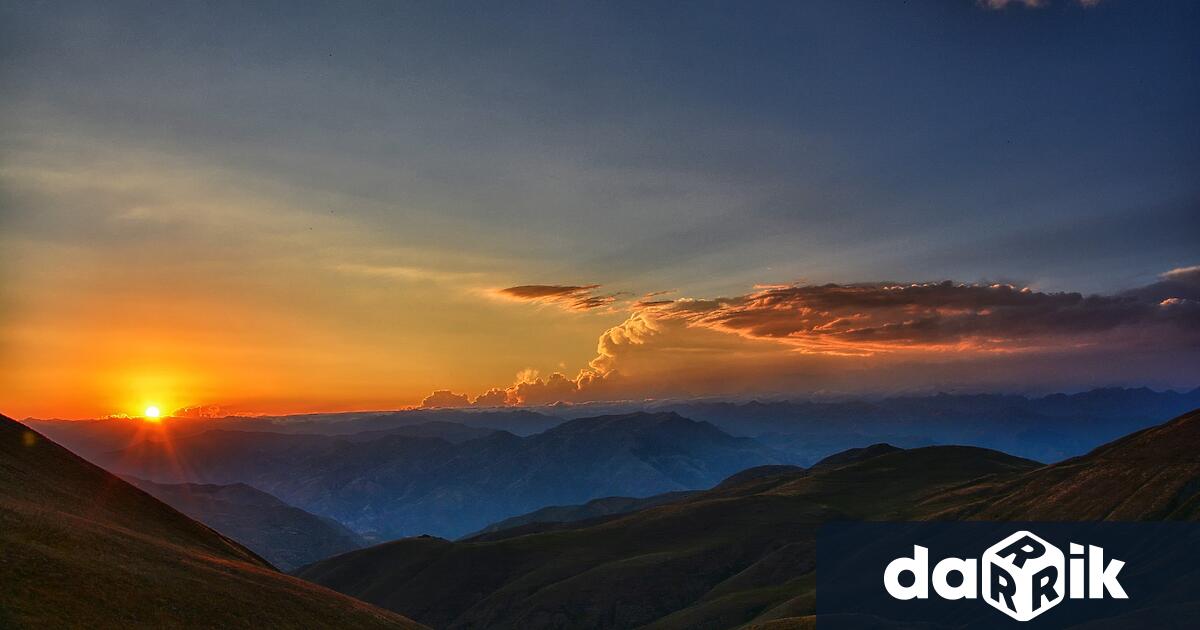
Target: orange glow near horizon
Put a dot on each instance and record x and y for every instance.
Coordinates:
(311, 340)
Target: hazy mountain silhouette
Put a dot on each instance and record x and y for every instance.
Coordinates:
(744, 553)
(596, 511)
(1048, 428)
(83, 548)
(395, 485)
(91, 438)
(286, 536)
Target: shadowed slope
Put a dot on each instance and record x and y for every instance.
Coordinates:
(714, 560)
(83, 548)
(286, 536)
(555, 515)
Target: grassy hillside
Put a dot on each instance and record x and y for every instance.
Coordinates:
(82, 548)
(550, 517)
(1153, 474)
(718, 559)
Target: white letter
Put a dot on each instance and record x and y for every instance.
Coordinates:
(918, 565)
(1075, 575)
(1106, 578)
(966, 568)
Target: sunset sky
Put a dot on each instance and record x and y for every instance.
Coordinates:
(352, 207)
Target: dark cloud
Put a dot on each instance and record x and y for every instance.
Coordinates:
(571, 297)
(1180, 284)
(543, 291)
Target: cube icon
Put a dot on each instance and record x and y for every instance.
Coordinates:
(1023, 576)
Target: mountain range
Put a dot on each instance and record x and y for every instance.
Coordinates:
(742, 554)
(83, 548)
(1047, 428)
(391, 485)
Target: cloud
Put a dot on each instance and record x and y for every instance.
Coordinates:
(880, 317)
(494, 397)
(202, 411)
(1000, 4)
(778, 337)
(1182, 283)
(445, 398)
(1032, 4)
(532, 389)
(1184, 274)
(569, 297)
(648, 300)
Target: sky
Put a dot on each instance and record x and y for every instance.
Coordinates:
(280, 207)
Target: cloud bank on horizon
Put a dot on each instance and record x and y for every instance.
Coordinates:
(876, 325)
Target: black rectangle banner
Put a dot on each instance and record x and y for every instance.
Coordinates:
(1008, 575)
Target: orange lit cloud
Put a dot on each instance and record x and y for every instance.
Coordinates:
(778, 336)
(494, 397)
(444, 398)
(869, 318)
(202, 411)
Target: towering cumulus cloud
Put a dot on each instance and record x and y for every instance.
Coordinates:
(445, 398)
(790, 335)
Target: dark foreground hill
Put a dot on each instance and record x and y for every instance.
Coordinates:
(717, 559)
(286, 536)
(400, 485)
(547, 517)
(82, 548)
(742, 555)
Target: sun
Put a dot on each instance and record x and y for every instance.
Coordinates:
(152, 414)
